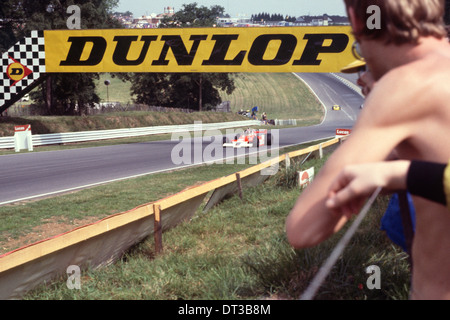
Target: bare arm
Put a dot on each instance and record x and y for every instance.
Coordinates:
(378, 131)
(311, 221)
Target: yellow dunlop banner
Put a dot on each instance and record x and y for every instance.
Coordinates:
(265, 49)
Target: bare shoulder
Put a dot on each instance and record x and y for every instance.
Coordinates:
(410, 93)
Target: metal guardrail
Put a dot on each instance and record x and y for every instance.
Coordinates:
(83, 136)
(7, 142)
(290, 122)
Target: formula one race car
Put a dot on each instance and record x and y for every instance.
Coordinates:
(249, 138)
(336, 107)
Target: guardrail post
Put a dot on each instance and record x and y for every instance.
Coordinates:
(238, 179)
(157, 233)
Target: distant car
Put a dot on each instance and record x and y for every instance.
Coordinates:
(336, 107)
(249, 138)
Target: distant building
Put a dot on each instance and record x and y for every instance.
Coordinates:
(324, 20)
(154, 20)
(169, 11)
(145, 22)
(242, 21)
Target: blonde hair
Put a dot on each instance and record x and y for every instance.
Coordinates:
(402, 21)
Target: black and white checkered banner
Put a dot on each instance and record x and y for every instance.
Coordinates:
(21, 66)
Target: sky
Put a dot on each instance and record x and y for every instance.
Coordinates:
(240, 7)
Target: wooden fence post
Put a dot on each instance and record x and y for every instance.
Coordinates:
(238, 178)
(157, 233)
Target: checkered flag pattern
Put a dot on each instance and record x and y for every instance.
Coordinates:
(28, 52)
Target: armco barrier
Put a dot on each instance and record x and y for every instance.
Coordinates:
(102, 243)
(290, 122)
(7, 142)
(83, 136)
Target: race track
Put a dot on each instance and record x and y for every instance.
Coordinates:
(38, 174)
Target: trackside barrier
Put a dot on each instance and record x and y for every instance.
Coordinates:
(102, 243)
(290, 122)
(83, 136)
(7, 142)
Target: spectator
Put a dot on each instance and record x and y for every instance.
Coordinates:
(264, 118)
(407, 113)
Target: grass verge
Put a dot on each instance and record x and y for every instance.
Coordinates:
(280, 95)
(238, 250)
(30, 221)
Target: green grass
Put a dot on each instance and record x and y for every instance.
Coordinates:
(238, 250)
(22, 223)
(117, 91)
(280, 95)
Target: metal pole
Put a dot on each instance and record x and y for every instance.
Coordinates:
(326, 268)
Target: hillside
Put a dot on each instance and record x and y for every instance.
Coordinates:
(280, 95)
(132, 119)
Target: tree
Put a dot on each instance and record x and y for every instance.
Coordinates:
(61, 93)
(193, 16)
(9, 20)
(184, 90)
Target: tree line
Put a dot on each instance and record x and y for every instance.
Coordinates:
(261, 17)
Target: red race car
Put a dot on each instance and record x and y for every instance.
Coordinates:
(249, 138)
